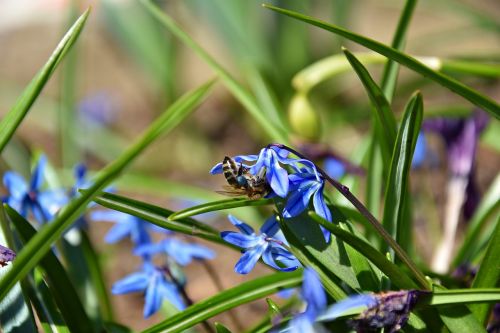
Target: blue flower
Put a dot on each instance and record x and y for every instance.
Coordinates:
(269, 161)
(334, 167)
(126, 226)
(256, 246)
(303, 187)
(26, 198)
(151, 280)
(181, 252)
(420, 151)
(313, 295)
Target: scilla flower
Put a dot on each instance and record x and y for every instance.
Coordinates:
(255, 246)
(26, 198)
(156, 287)
(125, 226)
(181, 252)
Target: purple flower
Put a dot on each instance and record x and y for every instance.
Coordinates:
(6, 255)
(98, 109)
(181, 252)
(24, 198)
(461, 136)
(156, 287)
(256, 246)
(125, 226)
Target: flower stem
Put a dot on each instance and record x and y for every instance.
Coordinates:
(344, 190)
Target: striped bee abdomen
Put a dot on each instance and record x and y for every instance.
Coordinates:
(230, 171)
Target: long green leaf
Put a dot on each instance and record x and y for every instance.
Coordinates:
(228, 299)
(391, 68)
(274, 131)
(41, 243)
(488, 275)
(219, 205)
(387, 122)
(396, 188)
(160, 217)
(60, 286)
(393, 272)
(13, 119)
(459, 88)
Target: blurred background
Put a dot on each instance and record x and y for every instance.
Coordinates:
(126, 69)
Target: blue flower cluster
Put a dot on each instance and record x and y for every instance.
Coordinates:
(157, 282)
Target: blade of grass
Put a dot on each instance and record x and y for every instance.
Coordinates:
(219, 205)
(13, 119)
(457, 87)
(42, 241)
(274, 131)
(488, 275)
(61, 288)
(228, 299)
(397, 185)
(160, 217)
(387, 125)
(393, 272)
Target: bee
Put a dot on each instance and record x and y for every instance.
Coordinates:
(241, 182)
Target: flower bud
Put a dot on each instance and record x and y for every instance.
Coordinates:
(303, 118)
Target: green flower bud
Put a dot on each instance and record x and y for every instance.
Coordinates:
(303, 118)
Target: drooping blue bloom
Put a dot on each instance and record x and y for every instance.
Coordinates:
(152, 281)
(255, 246)
(313, 295)
(6, 255)
(26, 198)
(303, 187)
(126, 226)
(181, 252)
(269, 161)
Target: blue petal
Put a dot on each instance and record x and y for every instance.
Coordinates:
(117, 232)
(350, 303)
(270, 227)
(249, 259)
(420, 151)
(241, 240)
(320, 205)
(216, 169)
(153, 297)
(313, 293)
(183, 253)
(238, 159)
(262, 160)
(37, 176)
(52, 201)
(244, 228)
(334, 168)
(15, 184)
(270, 259)
(132, 283)
(277, 178)
(170, 292)
(299, 200)
(149, 249)
(109, 215)
(301, 324)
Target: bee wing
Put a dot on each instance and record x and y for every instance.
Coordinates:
(232, 192)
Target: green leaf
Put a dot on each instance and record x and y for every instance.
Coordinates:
(61, 288)
(488, 275)
(457, 87)
(13, 119)
(393, 272)
(330, 261)
(275, 131)
(219, 205)
(246, 292)
(49, 233)
(391, 68)
(219, 328)
(488, 205)
(397, 185)
(387, 125)
(160, 217)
